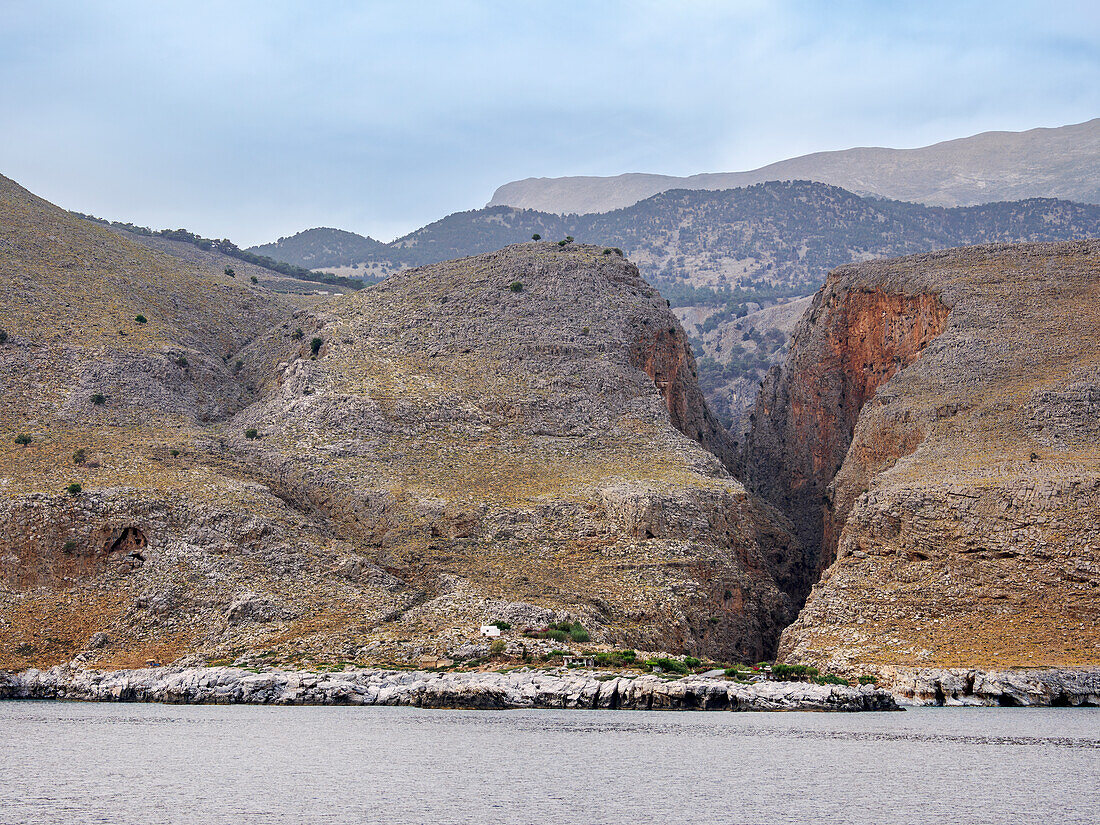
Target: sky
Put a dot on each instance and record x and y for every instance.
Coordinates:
(255, 120)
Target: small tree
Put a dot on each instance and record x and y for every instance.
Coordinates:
(536, 237)
(315, 346)
(181, 361)
(99, 399)
(251, 434)
(23, 439)
(516, 286)
(3, 336)
(254, 279)
(141, 319)
(80, 456)
(74, 489)
(297, 334)
(229, 271)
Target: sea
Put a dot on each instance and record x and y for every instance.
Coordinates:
(74, 763)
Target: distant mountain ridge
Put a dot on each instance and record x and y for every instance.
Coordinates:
(1062, 162)
(767, 239)
(321, 247)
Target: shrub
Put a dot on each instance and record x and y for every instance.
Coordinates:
(141, 319)
(516, 286)
(615, 658)
(23, 439)
(238, 366)
(229, 271)
(500, 624)
(715, 620)
(569, 239)
(99, 399)
(617, 251)
(315, 346)
(868, 680)
(73, 489)
(666, 664)
(831, 679)
(251, 434)
(80, 456)
(3, 336)
(254, 279)
(536, 237)
(584, 330)
(579, 634)
(69, 546)
(562, 243)
(792, 673)
(496, 647)
(181, 362)
(735, 672)
(173, 453)
(297, 334)
(691, 661)
(607, 252)
(555, 634)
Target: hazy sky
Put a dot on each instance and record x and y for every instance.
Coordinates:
(251, 120)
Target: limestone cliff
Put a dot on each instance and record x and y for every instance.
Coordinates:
(935, 431)
(517, 436)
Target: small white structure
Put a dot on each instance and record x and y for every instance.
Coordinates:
(490, 631)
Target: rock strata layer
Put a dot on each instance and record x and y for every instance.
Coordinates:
(480, 691)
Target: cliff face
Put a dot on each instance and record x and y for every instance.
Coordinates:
(514, 437)
(934, 437)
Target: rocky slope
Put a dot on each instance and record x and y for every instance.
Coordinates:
(515, 437)
(934, 436)
(1063, 162)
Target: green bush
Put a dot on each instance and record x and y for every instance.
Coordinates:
(607, 252)
(497, 646)
(500, 624)
(254, 279)
(615, 658)
(691, 661)
(3, 336)
(70, 546)
(315, 346)
(831, 679)
(141, 319)
(792, 673)
(23, 439)
(99, 399)
(80, 456)
(251, 434)
(556, 635)
(181, 362)
(229, 271)
(666, 664)
(297, 334)
(562, 243)
(536, 237)
(736, 673)
(516, 286)
(73, 489)
(868, 680)
(579, 634)
(173, 453)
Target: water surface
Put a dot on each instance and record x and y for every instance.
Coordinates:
(103, 763)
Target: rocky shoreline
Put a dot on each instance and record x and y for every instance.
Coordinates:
(474, 690)
(963, 687)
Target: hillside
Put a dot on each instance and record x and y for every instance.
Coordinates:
(933, 436)
(322, 248)
(516, 437)
(1062, 162)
